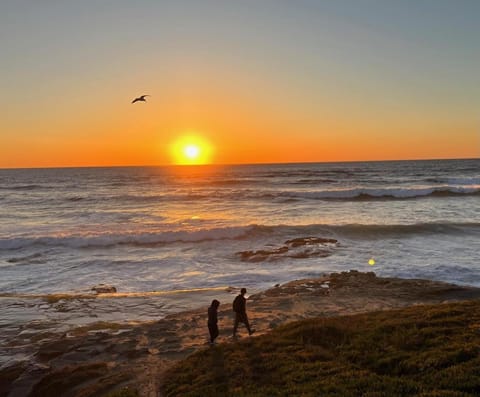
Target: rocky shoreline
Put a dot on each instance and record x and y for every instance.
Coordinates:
(104, 357)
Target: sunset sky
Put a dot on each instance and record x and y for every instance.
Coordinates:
(252, 81)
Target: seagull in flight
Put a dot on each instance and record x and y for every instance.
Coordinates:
(140, 99)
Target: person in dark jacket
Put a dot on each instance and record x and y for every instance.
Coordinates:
(213, 320)
(240, 309)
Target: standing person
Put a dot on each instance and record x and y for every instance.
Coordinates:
(213, 320)
(240, 309)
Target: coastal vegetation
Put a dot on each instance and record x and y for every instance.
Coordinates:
(418, 351)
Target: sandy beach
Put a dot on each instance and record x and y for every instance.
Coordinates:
(105, 356)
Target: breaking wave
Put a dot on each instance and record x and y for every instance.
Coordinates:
(112, 239)
(475, 181)
(384, 193)
(233, 233)
(352, 194)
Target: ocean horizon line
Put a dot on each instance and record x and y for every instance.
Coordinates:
(237, 164)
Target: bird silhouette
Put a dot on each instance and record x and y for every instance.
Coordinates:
(140, 99)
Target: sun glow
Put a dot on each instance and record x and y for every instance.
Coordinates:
(191, 150)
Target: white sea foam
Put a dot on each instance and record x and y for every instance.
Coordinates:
(227, 233)
(111, 239)
(360, 192)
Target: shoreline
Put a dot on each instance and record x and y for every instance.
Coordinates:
(105, 356)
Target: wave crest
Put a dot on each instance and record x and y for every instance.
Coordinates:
(459, 181)
(385, 193)
(112, 239)
(253, 232)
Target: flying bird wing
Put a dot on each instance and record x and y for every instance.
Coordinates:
(140, 98)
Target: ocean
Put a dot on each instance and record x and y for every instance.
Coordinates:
(171, 238)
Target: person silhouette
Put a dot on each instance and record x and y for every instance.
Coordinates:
(213, 320)
(240, 309)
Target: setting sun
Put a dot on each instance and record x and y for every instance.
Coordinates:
(191, 150)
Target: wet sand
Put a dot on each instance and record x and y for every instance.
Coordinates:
(106, 356)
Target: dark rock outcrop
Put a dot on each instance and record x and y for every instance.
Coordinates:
(104, 289)
(298, 248)
(297, 242)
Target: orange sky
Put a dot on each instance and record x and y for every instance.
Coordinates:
(329, 85)
(241, 131)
